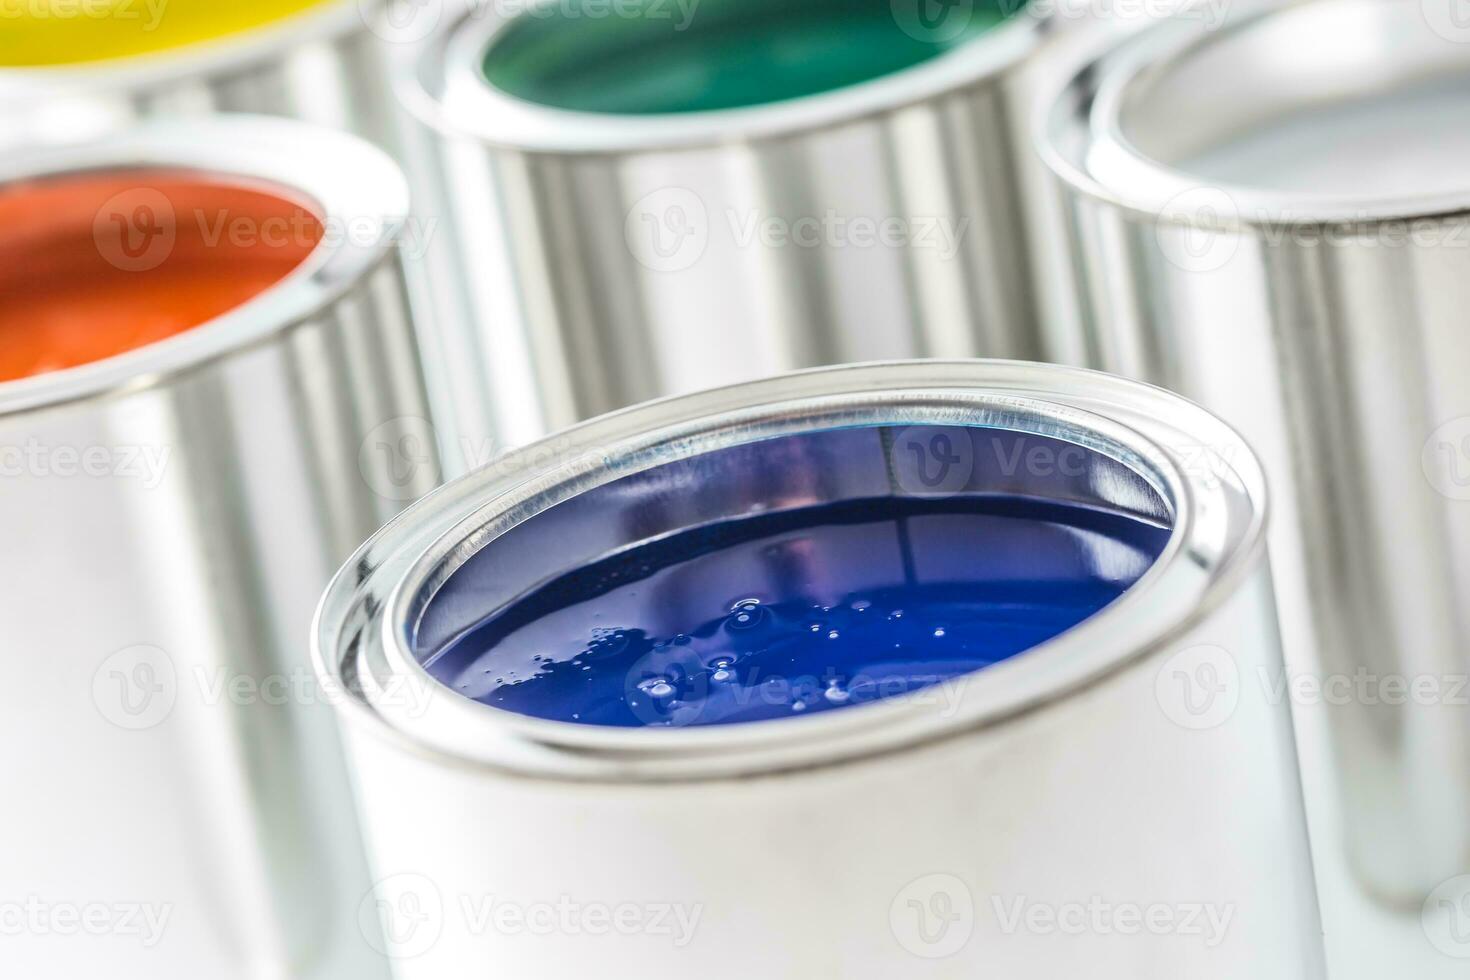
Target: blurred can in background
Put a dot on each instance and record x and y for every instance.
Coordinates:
(659, 196)
(1128, 763)
(208, 394)
(1274, 218)
(72, 70)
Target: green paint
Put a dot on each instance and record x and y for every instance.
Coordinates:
(665, 56)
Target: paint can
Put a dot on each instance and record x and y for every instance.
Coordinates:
(69, 71)
(1276, 226)
(538, 809)
(664, 196)
(206, 350)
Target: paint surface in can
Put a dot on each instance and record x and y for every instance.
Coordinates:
(68, 32)
(801, 611)
(720, 54)
(94, 265)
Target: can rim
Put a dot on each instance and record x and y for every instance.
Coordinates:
(1083, 141)
(227, 53)
(362, 632)
(440, 83)
(353, 184)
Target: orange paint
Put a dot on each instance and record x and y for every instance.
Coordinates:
(93, 265)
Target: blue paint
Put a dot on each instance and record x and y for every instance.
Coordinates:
(800, 611)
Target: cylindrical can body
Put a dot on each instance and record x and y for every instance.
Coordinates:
(1127, 771)
(321, 63)
(176, 802)
(1079, 31)
(589, 259)
(1280, 251)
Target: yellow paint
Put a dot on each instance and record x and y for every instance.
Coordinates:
(35, 33)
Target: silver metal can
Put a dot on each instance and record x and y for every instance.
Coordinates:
(596, 256)
(1079, 31)
(177, 801)
(1127, 764)
(1285, 238)
(322, 65)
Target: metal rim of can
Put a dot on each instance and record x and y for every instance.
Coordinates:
(222, 55)
(347, 180)
(439, 81)
(1083, 140)
(362, 635)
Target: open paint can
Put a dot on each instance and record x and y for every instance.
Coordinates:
(1274, 218)
(208, 395)
(928, 669)
(74, 69)
(656, 197)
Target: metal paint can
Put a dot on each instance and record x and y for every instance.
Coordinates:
(1082, 29)
(69, 71)
(1126, 763)
(175, 494)
(1272, 218)
(763, 187)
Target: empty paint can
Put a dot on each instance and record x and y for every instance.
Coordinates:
(1080, 30)
(654, 197)
(928, 669)
(1272, 218)
(206, 378)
